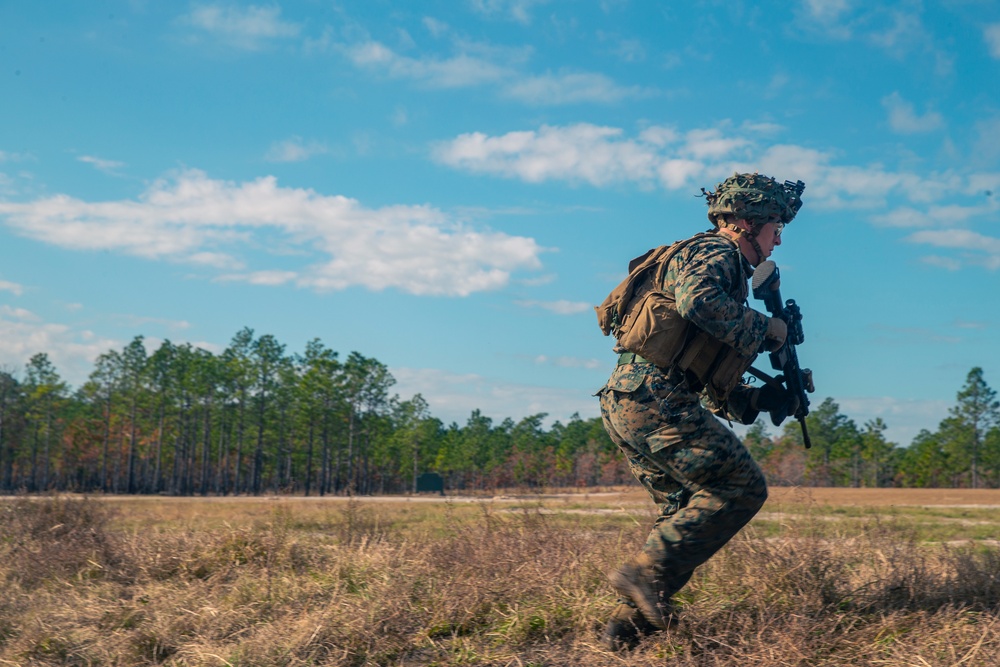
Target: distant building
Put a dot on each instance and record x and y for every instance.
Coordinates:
(430, 482)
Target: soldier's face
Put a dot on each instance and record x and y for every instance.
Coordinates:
(769, 238)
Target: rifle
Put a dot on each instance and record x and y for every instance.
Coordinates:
(766, 280)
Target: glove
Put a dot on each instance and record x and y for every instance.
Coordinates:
(771, 399)
(777, 332)
(768, 397)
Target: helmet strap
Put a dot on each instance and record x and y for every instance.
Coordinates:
(750, 236)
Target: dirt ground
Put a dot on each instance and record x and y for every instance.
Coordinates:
(889, 497)
(635, 495)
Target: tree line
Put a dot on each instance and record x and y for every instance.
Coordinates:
(256, 419)
(964, 451)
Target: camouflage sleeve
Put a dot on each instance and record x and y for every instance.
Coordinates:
(737, 406)
(704, 278)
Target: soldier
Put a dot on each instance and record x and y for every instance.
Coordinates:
(703, 480)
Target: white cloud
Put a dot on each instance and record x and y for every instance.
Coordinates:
(479, 64)
(72, 351)
(711, 144)
(949, 263)
(904, 30)
(967, 324)
(399, 117)
(979, 249)
(991, 34)
(582, 152)
(625, 49)
(18, 313)
(601, 155)
(659, 136)
(838, 186)
(138, 321)
(14, 288)
(215, 260)
(570, 362)
(986, 150)
(827, 18)
(267, 278)
(827, 10)
(560, 307)
(457, 72)
(194, 219)
(14, 157)
(247, 27)
(904, 417)
(101, 164)
(958, 238)
(452, 397)
(435, 27)
(904, 120)
(515, 10)
(984, 183)
(934, 216)
(905, 216)
(898, 29)
(294, 150)
(570, 88)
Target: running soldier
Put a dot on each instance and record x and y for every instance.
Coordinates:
(701, 477)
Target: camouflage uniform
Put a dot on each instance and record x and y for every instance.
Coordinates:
(702, 478)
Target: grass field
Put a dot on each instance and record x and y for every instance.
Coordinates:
(820, 577)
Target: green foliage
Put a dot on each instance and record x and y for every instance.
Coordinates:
(963, 451)
(255, 419)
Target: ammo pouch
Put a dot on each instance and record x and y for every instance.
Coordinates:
(644, 319)
(713, 364)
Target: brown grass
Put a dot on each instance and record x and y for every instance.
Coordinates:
(352, 583)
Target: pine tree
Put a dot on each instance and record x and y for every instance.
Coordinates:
(964, 431)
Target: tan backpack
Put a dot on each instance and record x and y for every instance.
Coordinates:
(644, 319)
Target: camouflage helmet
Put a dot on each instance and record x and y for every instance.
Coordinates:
(755, 198)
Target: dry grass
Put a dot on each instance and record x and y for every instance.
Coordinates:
(264, 583)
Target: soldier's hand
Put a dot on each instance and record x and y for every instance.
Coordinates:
(768, 397)
(776, 401)
(777, 332)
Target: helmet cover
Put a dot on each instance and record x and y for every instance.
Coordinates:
(756, 198)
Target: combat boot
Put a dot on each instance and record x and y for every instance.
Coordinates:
(639, 582)
(626, 627)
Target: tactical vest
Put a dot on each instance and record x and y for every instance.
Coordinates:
(644, 319)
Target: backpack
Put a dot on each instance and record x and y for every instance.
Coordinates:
(641, 315)
(644, 319)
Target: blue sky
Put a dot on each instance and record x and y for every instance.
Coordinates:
(451, 186)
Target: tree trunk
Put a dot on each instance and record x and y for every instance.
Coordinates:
(130, 486)
(48, 448)
(258, 455)
(159, 453)
(205, 448)
(222, 474)
(239, 442)
(106, 445)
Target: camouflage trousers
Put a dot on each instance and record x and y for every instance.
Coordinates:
(702, 478)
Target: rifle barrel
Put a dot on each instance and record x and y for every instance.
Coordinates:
(805, 433)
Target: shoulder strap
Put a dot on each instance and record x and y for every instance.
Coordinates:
(674, 249)
(657, 257)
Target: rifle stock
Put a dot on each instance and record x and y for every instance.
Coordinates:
(799, 381)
